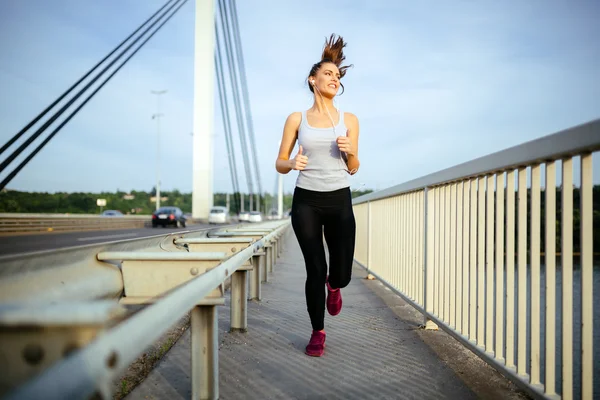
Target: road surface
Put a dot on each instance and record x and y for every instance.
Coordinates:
(51, 241)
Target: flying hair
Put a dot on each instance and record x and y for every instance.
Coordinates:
(333, 52)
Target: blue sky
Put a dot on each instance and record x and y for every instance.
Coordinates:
(434, 84)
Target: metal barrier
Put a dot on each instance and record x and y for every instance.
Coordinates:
(65, 330)
(40, 223)
(456, 245)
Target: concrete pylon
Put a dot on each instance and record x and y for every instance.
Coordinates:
(204, 85)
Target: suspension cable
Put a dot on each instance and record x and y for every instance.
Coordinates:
(226, 122)
(236, 99)
(41, 130)
(41, 146)
(47, 109)
(245, 93)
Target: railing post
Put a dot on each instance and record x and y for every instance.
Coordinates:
(264, 274)
(205, 353)
(256, 276)
(368, 237)
(269, 248)
(239, 301)
(273, 254)
(279, 244)
(428, 260)
(284, 238)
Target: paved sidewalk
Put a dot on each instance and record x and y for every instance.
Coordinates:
(371, 353)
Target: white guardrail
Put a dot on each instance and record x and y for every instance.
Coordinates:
(65, 328)
(13, 223)
(464, 247)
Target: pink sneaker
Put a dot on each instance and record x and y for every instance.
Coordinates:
(334, 300)
(316, 345)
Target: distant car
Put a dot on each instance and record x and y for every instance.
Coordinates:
(244, 216)
(255, 216)
(218, 215)
(273, 214)
(112, 213)
(166, 216)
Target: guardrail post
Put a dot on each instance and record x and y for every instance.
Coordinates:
(273, 255)
(269, 250)
(428, 260)
(283, 234)
(264, 274)
(256, 275)
(368, 237)
(239, 301)
(205, 353)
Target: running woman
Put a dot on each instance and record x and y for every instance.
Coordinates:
(322, 203)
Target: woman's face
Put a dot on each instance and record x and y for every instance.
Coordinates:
(327, 79)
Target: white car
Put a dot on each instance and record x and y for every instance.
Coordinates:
(244, 216)
(255, 216)
(218, 215)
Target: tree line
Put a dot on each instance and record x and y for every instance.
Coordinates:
(140, 202)
(132, 202)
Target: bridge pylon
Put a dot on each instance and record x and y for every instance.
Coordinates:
(203, 120)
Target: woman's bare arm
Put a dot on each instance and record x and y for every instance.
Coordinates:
(283, 164)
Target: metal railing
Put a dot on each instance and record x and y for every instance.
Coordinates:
(465, 247)
(65, 330)
(40, 223)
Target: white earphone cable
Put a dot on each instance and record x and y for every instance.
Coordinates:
(333, 126)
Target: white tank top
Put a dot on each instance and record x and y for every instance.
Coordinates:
(325, 170)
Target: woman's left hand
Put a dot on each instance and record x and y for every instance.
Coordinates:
(345, 145)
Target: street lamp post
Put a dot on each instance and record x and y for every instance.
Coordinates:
(157, 116)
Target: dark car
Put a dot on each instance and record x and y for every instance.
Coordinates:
(166, 216)
(112, 213)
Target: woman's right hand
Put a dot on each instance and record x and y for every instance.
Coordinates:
(299, 162)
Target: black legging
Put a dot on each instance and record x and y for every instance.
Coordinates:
(315, 214)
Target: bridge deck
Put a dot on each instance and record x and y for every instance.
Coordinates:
(374, 350)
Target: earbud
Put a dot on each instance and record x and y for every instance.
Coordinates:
(313, 82)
